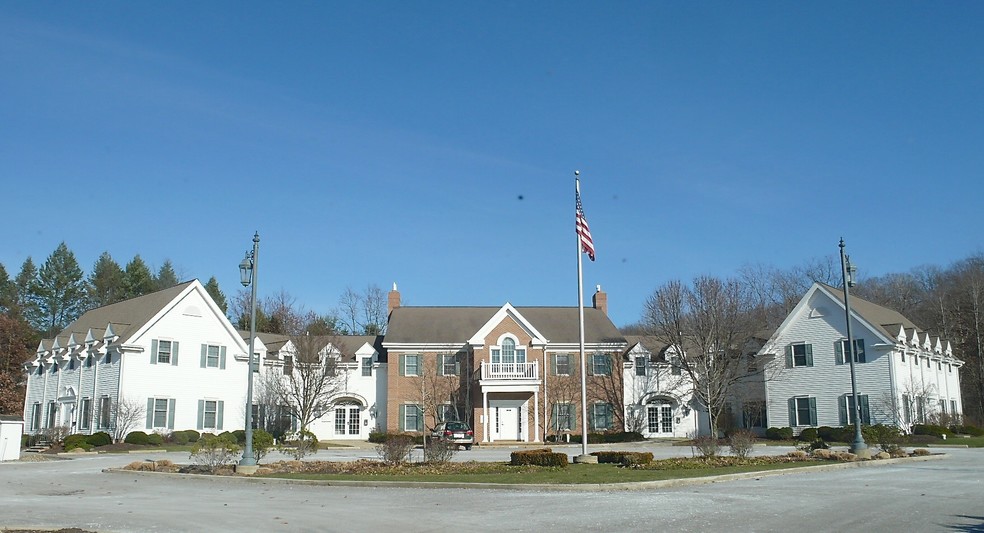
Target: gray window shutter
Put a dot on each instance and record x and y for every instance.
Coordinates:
(843, 410)
(204, 355)
(553, 368)
(859, 348)
(440, 364)
(591, 418)
(792, 412)
(201, 414)
(789, 356)
(809, 355)
(222, 359)
(170, 413)
(403, 372)
(813, 411)
(839, 352)
(554, 416)
(150, 413)
(865, 414)
(153, 352)
(573, 415)
(420, 417)
(219, 408)
(174, 353)
(403, 409)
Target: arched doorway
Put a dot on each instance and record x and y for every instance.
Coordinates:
(348, 418)
(659, 416)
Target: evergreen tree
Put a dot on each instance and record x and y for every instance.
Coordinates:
(212, 288)
(23, 287)
(166, 277)
(137, 279)
(105, 284)
(8, 291)
(60, 291)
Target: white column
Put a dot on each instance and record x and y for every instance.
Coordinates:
(485, 416)
(536, 416)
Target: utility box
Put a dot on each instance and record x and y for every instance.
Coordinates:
(11, 429)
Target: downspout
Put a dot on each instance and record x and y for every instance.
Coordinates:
(891, 385)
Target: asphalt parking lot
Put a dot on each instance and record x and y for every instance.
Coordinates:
(942, 495)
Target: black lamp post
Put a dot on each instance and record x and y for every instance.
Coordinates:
(858, 447)
(247, 274)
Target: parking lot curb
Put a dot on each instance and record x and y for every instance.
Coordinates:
(587, 487)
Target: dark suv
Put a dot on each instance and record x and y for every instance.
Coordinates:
(458, 433)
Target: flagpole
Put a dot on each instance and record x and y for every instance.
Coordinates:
(580, 315)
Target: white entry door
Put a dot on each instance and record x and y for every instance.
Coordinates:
(507, 420)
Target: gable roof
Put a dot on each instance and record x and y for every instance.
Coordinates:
(455, 325)
(879, 316)
(655, 347)
(126, 317)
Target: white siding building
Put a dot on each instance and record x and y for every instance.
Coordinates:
(904, 375)
(658, 395)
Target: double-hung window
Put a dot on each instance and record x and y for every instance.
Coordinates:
(601, 364)
(210, 413)
(803, 411)
(36, 416)
(448, 364)
(160, 413)
(164, 352)
(367, 366)
(105, 411)
(52, 413)
(601, 416)
(640, 365)
(411, 417)
(676, 368)
(211, 356)
(85, 414)
(411, 364)
(562, 417)
(446, 413)
(799, 354)
(848, 412)
(841, 349)
(562, 364)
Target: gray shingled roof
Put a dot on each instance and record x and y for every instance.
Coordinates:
(126, 316)
(880, 316)
(655, 347)
(449, 325)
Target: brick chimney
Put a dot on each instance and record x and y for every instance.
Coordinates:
(393, 300)
(600, 300)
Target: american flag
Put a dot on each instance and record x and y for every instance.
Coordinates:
(583, 232)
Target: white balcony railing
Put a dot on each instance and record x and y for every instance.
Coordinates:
(508, 371)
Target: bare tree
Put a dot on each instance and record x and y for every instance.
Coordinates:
(563, 388)
(363, 313)
(904, 411)
(127, 414)
(310, 380)
(711, 323)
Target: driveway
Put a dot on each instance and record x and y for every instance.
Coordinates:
(944, 495)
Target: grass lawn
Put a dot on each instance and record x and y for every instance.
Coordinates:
(572, 474)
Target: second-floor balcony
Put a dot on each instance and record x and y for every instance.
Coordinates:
(510, 371)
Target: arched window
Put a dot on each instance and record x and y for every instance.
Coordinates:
(508, 350)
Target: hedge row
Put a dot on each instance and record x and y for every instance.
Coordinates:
(539, 457)
(624, 458)
(379, 437)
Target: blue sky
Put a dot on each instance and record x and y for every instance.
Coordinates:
(433, 144)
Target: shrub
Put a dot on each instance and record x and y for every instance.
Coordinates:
(706, 445)
(262, 443)
(600, 438)
(823, 454)
(888, 438)
(543, 457)
(809, 435)
(920, 439)
(967, 429)
(193, 435)
(137, 437)
(918, 452)
(930, 429)
(624, 458)
(299, 444)
(740, 442)
(76, 440)
(99, 439)
(212, 452)
(798, 455)
(828, 433)
(24, 440)
(377, 437)
(779, 433)
(155, 439)
(240, 435)
(439, 451)
(180, 437)
(395, 448)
